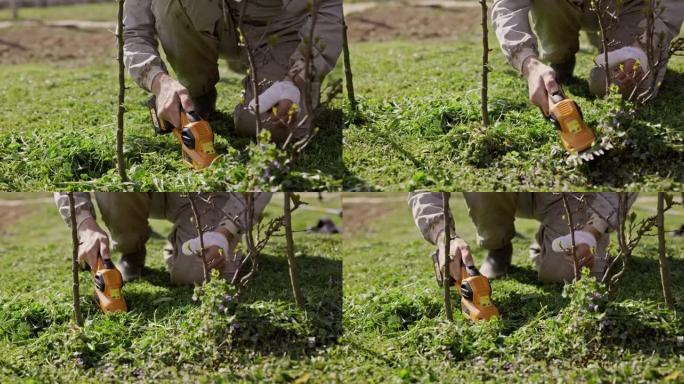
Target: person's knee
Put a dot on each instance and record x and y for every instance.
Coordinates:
(186, 272)
(245, 125)
(555, 275)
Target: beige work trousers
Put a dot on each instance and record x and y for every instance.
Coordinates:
(126, 215)
(194, 35)
(494, 215)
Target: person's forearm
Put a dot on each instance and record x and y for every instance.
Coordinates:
(82, 203)
(512, 26)
(141, 56)
(427, 209)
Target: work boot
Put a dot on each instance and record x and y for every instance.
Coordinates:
(131, 265)
(497, 261)
(535, 251)
(597, 81)
(564, 71)
(205, 105)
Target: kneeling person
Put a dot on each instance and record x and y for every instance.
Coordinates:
(194, 34)
(126, 215)
(494, 214)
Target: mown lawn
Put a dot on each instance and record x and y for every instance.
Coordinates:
(420, 125)
(57, 130)
(163, 337)
(395, 323)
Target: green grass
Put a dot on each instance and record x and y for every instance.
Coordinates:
(91, 12)
(420, 119)
(162, 337)
(58, 132)
(395, 324)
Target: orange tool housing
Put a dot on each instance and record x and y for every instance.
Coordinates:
(197, 141)
(108, 284)
(476, 302)
(195, 136)
(567, 117)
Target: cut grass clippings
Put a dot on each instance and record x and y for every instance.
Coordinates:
(397, 331)
(171, 333)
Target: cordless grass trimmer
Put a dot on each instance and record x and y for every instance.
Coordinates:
(108, 284)
(194, 135)
(475, 291)
(577, 138)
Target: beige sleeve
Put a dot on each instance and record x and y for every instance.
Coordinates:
(427, 209)
(141, 55)
(327, 37)
(84, 207)
(604, 209)
(512, 26)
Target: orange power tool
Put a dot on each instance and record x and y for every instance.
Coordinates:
(577, 138)
(475, 290)
(108, 284)
(195, 136)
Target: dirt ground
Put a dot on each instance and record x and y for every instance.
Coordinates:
(361, 211)
(43, 44)
(385, 23)
(11, 215)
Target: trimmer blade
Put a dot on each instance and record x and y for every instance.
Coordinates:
(590, 154)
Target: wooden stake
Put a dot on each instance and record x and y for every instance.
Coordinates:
(74, 261)
(122, 94)
(446, 277)
(347, 67)
(15, 9)
(485, 66)
(662, 255)
(291, 263)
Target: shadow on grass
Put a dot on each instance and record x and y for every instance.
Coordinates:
(321, 284)
(324, 153)
(653, 142)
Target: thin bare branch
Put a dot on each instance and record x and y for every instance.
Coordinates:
(571, 227)
(446, 277)
(200, 233)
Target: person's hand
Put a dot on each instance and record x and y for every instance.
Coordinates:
(284, 114)
(628, 75)
(584, 256)
(171, 95)
(215, 257)
(585, 245)
(460, 253)
(215, 248)
(279, 103)
(541, 83)
(94, 243)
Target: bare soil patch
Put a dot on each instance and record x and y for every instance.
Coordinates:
(358, 217)
(11, 215)
(385, 23)
(43, 44)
